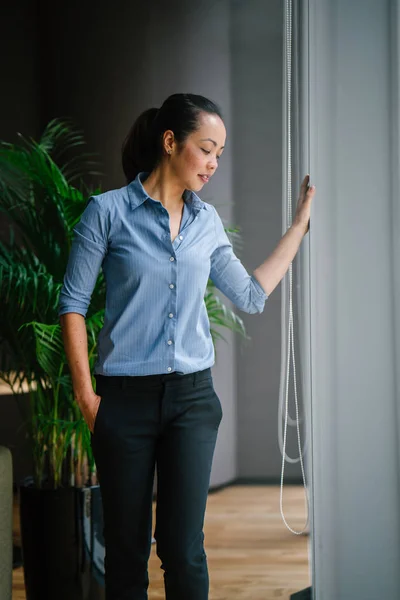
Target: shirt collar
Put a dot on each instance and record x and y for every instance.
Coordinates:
(137, 194)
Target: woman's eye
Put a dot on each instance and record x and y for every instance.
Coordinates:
(208, 152)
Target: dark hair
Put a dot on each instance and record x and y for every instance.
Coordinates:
(142, 148)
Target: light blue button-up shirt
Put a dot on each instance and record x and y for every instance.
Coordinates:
(155, 318)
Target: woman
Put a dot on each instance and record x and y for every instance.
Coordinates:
(155, 404)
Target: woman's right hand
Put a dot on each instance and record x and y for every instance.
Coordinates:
(302, 216)
(89, 407)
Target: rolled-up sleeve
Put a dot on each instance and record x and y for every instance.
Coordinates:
(88, 248)
(231, 277)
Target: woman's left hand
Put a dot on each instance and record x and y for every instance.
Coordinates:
(302, 216)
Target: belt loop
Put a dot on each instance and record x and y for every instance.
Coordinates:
(194, 378)
(124, 382)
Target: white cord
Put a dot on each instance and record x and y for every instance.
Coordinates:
(290, 345)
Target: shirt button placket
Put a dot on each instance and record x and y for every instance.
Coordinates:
(172, 304)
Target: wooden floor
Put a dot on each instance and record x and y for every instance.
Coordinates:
(251, 555)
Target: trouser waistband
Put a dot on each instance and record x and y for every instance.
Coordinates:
(124, 381)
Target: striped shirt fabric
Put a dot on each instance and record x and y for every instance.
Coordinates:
(155, 319)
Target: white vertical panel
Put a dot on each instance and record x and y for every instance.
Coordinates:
(353, 286)
(395, 191)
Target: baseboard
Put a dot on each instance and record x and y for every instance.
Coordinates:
(261, 481)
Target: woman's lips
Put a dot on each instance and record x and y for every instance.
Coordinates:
(204, 179)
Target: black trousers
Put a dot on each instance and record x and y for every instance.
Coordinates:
(169, 422)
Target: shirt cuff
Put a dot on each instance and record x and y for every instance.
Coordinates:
(74, 308)
(258, 287)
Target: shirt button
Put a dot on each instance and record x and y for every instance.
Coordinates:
(169, 369)
(169, 342)
(171, 285)
(181, 237)
(171, 258)
(171, 315)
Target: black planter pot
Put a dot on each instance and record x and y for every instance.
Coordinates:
(62, 543)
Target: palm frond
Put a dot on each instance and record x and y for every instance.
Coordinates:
(49, 348)
(26, 287)
(60, 135)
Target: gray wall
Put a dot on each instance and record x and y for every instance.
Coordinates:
(20, 96)
(19, 112)
(103, 67)
(148, 55)
(20, 91)
(257, 58)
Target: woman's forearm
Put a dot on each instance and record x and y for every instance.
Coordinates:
(76, 348)
(273, 269)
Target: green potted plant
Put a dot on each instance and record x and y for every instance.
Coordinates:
(42, 203)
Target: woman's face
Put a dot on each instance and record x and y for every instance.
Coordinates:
(201, 153)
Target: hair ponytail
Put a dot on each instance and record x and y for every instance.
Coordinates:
(142, 148)
(139, 149)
